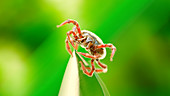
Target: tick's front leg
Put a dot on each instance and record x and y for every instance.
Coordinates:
(71, 40)
(75, 23)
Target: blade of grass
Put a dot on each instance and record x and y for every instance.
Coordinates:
(76, 83)
(70, 82)
(103, 86)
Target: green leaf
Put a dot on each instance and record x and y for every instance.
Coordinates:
(76, 83)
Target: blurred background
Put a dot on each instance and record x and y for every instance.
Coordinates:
(33, 57)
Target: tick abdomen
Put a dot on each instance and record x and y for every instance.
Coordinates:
(91, 37)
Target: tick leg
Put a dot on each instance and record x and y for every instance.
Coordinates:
(88, 68)
(101, 70)
(89, 45)
(92, 70)
(100, 64)
(75, 23)
(113, 48)
(104, 70)
(68, 47)
(76, 47)
(75, 36)
(88, 55)
(81, 39)
(85, 70)
(72, 32)
(71, 40)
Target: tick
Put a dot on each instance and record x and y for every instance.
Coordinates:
(92, 43)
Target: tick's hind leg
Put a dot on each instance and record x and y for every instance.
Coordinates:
(85, 70)
(101, 70)
(113, 48)
(104, 70)
(100, 64)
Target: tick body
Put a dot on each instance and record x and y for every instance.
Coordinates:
(92, 43)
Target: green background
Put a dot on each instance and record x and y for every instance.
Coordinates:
(33, 57)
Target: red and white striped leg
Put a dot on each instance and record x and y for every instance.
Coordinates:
(68, 47)
(100, 64)
(75, 23)
(85, 70)
(113, 48)
(88, 55)
(99, 70)
(104, 70)
(70, 39)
